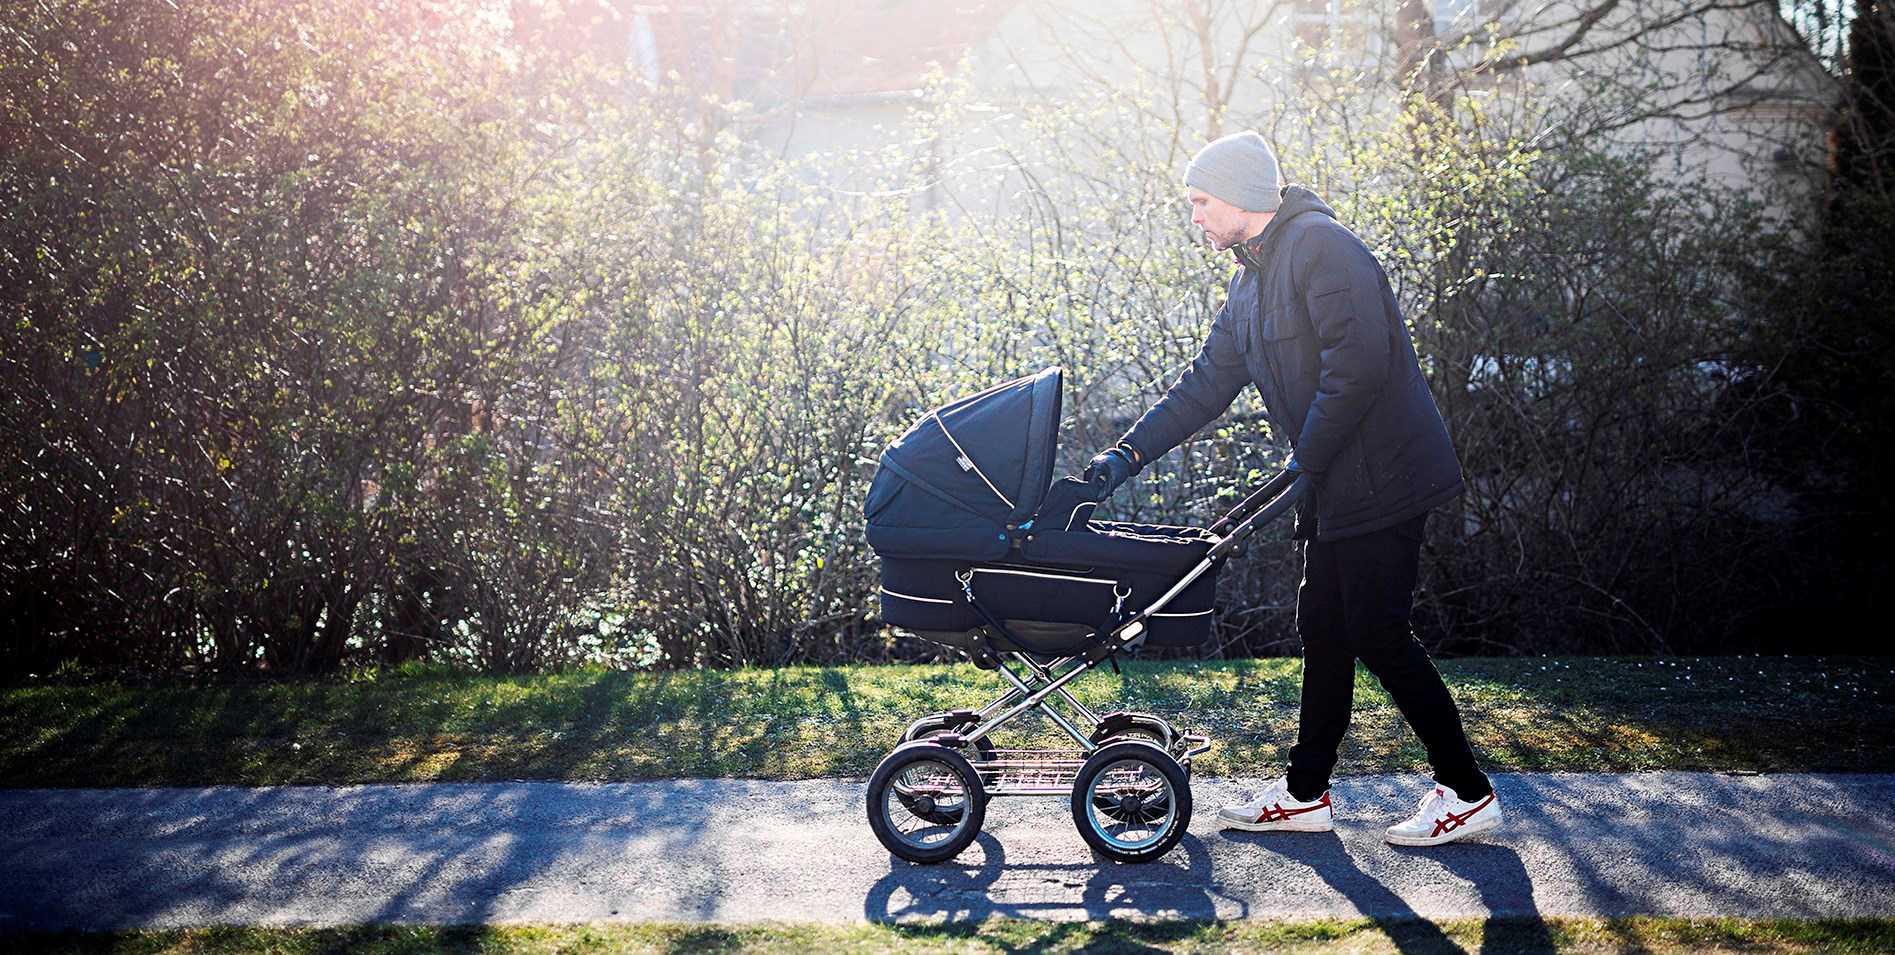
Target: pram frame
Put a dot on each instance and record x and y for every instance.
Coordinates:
(1023, 772)
(1276, 496)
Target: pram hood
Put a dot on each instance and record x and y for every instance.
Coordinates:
(966, 475)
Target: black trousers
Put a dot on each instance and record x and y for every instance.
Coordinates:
(1354, 604)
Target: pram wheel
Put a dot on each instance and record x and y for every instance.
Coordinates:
(1131, 801)
(925, 802)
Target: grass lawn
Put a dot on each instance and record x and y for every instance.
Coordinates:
(1662, 936)
(1582, 713)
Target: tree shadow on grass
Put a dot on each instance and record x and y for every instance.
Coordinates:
(614, 710)
(72, 754)
(258, 734)
(448, 940)
(705, 938)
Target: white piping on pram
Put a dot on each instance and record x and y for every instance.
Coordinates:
(1028, 573)
(969, 459)
(1033, 575)
(925, 600)
(1022, 573)
(1075, 514)
(1083, 580)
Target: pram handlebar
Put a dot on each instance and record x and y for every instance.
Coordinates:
(1257, 499)
(1283, 491)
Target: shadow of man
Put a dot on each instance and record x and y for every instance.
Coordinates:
(1326, 856)
(1513, 924)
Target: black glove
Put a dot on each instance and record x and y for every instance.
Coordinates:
(1111, 468)
(1305, 527)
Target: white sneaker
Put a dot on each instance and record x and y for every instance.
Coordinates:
(1275, 810)
(1443, 816)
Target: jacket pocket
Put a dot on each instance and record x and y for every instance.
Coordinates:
(1376, 445)
(1372, 476)
(1278, 322)
(1354, 474)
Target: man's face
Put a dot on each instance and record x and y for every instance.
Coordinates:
(1224, 225)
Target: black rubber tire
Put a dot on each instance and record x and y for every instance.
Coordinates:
(1175, 777)
(1137, 734)
(974, 800)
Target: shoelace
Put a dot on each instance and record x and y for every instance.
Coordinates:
(1274, 793)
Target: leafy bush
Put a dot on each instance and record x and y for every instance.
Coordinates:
(353, 333)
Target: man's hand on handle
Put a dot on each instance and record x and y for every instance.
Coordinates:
(1111, 468)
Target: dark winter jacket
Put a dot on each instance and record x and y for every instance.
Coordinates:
(1311, 320)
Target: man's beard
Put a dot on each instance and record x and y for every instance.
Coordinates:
(1222, 241)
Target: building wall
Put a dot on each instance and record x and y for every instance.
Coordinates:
(1766, 136)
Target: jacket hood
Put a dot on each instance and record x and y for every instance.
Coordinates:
(1297, 201)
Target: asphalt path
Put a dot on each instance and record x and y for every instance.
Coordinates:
(1691, 844)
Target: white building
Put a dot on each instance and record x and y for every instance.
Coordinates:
(1747, 100)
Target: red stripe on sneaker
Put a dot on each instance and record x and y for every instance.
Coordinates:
(1276, 812)
(1453, 822)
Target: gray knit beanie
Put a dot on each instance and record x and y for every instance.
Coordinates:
(1239, 169)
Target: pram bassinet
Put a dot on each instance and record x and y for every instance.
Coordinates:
(964, 504)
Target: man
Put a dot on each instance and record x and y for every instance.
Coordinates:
(1311, 321)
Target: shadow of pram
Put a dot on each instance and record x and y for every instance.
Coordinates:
(969, 889)
(1184, 885)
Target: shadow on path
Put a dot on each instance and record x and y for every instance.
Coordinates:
(1513, 925)
(1179, 886)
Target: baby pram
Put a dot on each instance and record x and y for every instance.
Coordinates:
(982, 551)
